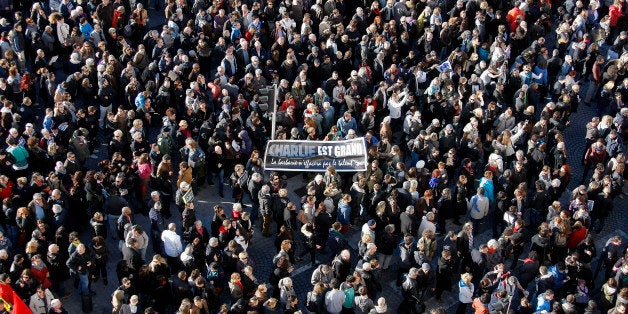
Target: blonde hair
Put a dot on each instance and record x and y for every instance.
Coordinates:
(367, 238)
(31, 246)
(466, 277)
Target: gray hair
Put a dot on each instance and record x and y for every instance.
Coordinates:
(413, 271)
(265, 188)
(256, 176)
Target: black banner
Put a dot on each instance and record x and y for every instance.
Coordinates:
(316, 156)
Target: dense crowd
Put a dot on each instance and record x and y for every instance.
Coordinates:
(463, 106)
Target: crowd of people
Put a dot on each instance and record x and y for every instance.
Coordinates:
(463, 106)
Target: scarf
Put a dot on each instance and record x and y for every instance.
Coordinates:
(38, 267)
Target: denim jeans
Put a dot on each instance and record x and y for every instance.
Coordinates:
(83, 288)
(112, 220)
(11, 233)
(143, 253)
(221, 180)
(254, 211)
(103, 114)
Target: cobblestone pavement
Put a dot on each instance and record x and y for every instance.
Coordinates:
(262, 249)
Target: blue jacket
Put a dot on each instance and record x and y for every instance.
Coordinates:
(328, 119)
(543, 304)
(488, 189)
(344, 213)
(559, 276)
(344, 126)
(140, 101)
(86, 30)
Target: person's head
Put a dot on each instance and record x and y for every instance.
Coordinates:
(346, 255)
(549, 294)
(80, 249)
(466, 277)
(55, 304)
(413, 273)
(334, 284)
(347, 116)
(485, 298)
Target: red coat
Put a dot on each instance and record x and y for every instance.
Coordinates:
(117, 18)
(373, 103)
(42, 276)
(576, 237)
(513, 14)
(7, 191)
(614, 13)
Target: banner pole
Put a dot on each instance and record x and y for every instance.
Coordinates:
(274, 120)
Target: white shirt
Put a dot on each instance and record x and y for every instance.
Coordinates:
(63, 31)
(394, 107)
(172, 243)
(334, 300)
(367, 230)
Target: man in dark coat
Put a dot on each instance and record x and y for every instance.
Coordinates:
(79, 264)
(132, 256)
(411, 292)
(341, 265)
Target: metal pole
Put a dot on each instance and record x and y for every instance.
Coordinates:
(274, 119)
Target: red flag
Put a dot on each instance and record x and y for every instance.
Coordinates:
(19, 307)
(6, 292)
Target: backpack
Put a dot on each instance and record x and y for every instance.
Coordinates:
(349, 292)
(310, 304)
(560, 240)
(128, 30)
(335, 262)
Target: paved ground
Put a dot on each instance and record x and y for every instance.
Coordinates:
(262, 249)
(261, 253)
